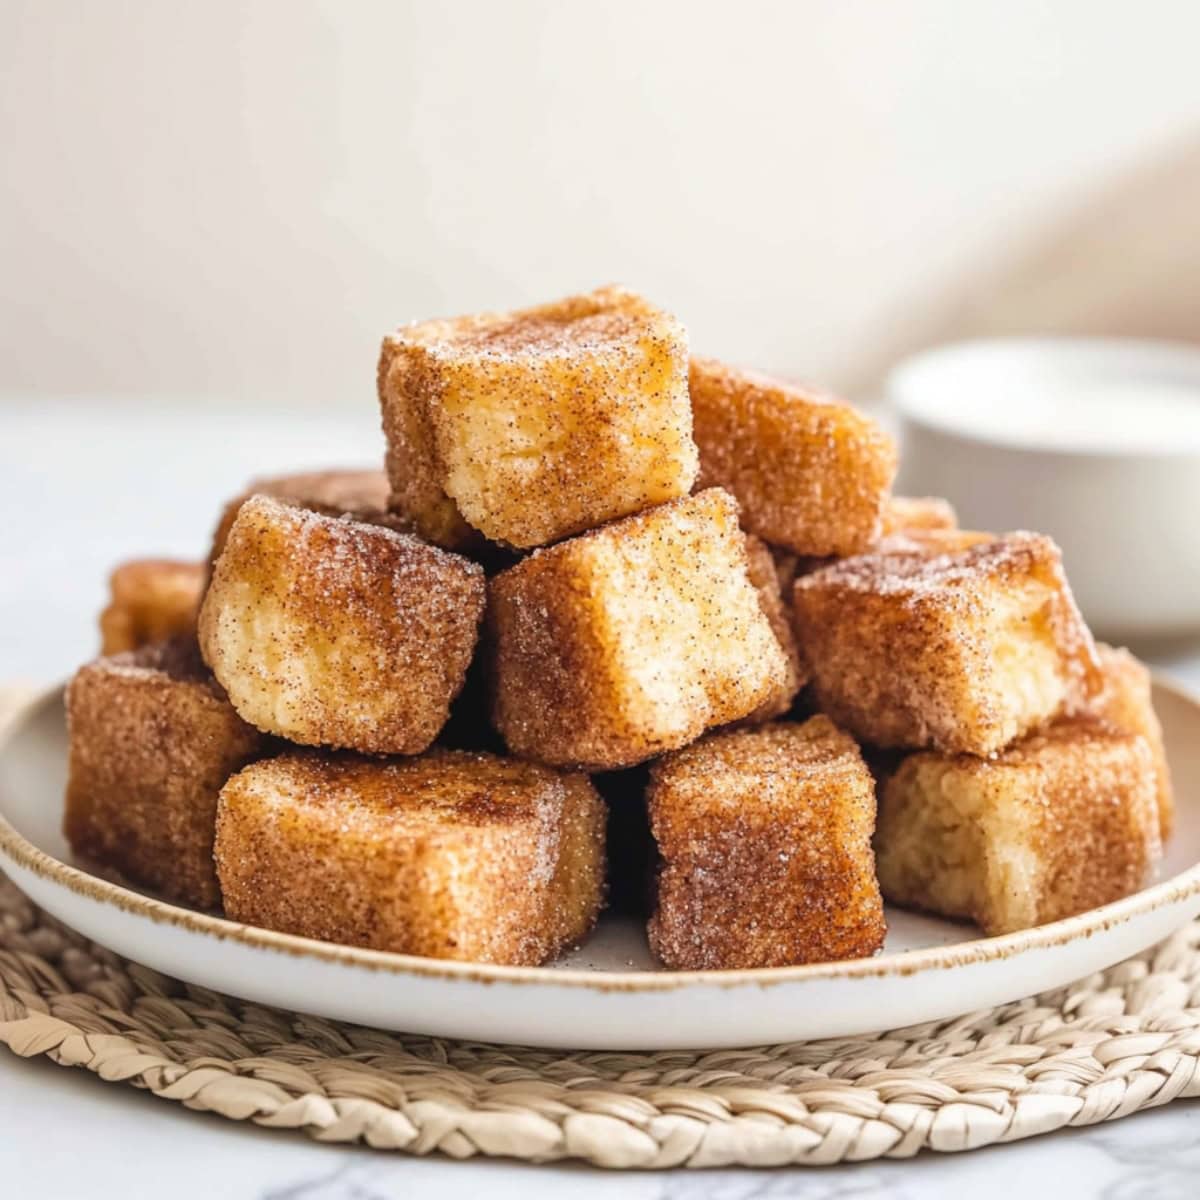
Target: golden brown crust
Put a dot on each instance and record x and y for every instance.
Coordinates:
(630, 640)
(330, 631)
(963, 652)
(1061, 822)
(1126, 703)
(764, 575)
(810, 473)
(362, 493)
(451, 855)
(787, 567)
(765, 841)
(152, 740)
(152, 599)
(535, 425)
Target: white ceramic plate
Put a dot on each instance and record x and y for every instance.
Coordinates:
(607, 995)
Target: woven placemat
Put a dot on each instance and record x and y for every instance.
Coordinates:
(1117, 1042)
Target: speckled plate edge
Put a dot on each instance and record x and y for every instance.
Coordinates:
(25, 855)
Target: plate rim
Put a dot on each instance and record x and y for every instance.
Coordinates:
(25, 855)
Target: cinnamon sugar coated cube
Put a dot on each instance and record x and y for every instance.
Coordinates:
(904, 513)
(152, 599)
(358, 492)
(329, 631)
(1057, 824)
(450, 855)
(810, 473)
(1125, 703)
(765, 844)
(534, 425)
(764, 574)
(963, 652)
(152, 740)
(631, 640)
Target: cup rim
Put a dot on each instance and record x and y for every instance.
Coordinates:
(909, 382)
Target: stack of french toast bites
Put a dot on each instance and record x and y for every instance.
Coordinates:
(394, 709)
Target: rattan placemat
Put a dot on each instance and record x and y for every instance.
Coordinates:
(1110, 1045)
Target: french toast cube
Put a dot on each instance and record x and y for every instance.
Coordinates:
(1125, 703)
(534, 425)
(962, 652)
(1061, 822)
(764, 838)
(810, 473)
(623, 643)
(151, 600)
(450, 855)
(902, 514)
(152, 741)
(330, 631)
(336, 492)
(765, 575)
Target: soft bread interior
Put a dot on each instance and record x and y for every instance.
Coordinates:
(952, 844)
(1026, 660)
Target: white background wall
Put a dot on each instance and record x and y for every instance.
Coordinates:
(236, 199)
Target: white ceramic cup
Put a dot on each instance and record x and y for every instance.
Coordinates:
(1094, 441)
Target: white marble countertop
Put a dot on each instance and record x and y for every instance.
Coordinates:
(85, 484)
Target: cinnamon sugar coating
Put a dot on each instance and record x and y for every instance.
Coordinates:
(926, 542)
(1059, 823)
(151, 599)
(450, 855)
(152, 740)
(765, 844)
(964, 651)
(810, 473)
(631, 640)
(764, 574)
(902, 514)
(330, 631)
(923, 525)
(534, 425)
(930, 542)
(1125, 703)
(362, 493)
